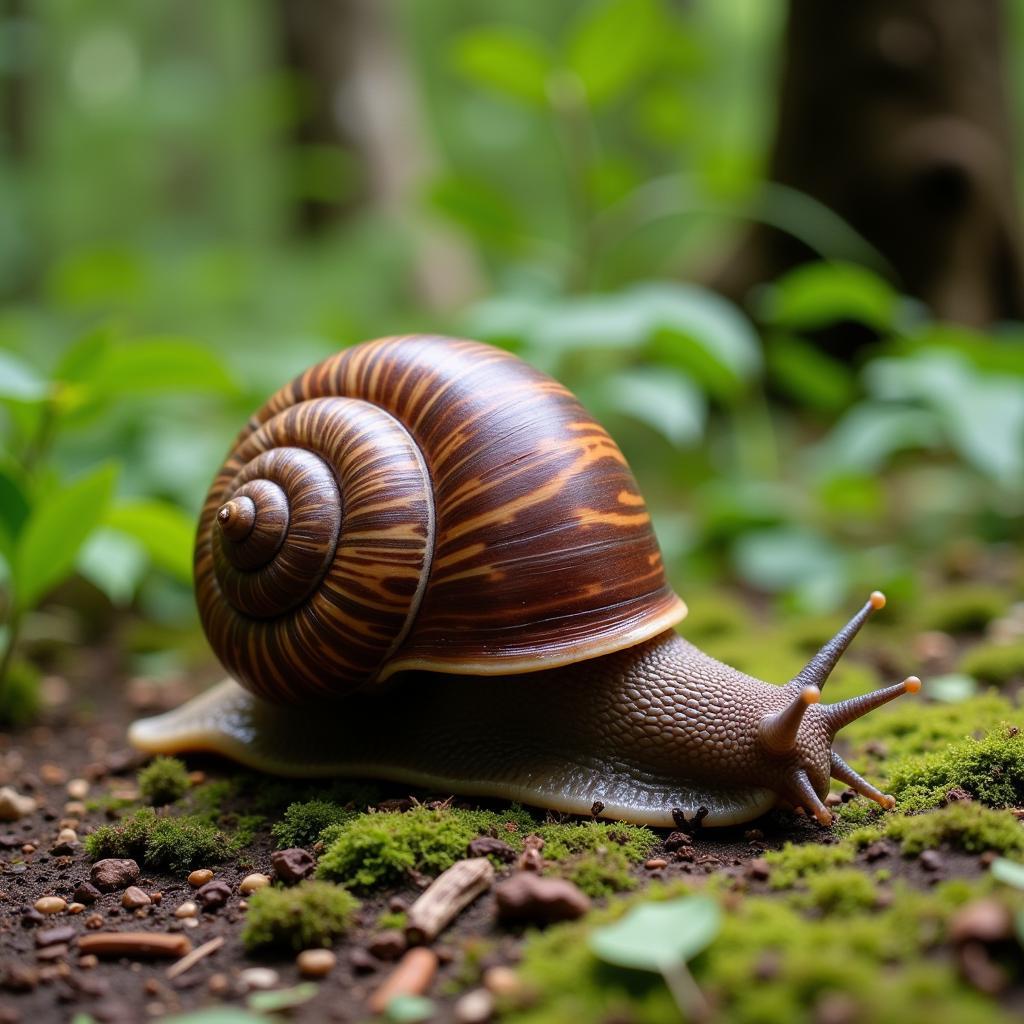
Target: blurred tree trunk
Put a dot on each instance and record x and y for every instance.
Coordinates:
(359, 100)
(894, 114)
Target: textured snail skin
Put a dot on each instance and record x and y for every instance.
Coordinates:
(423, 561)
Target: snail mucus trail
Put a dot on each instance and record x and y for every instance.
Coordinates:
(487, 616)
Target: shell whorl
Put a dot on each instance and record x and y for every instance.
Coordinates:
(423, 503)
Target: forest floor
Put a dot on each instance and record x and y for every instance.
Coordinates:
(865, 921)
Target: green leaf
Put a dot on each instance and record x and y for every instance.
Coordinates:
(871, 432)
(652, 936)
(613, 45)
(477, 206)
(793, 559)
(282, 998)
(18, 381)
(56, 530)
(819, 294)
(806, 374)
(149, 365)
(410, 1009)
(14, 505)
(114, 564)
(166, 533)
(1009, 871)
(514, 63)
(665, 400)
(216, 1015)
(953, 688)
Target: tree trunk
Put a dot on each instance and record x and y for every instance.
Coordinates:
(894, 114)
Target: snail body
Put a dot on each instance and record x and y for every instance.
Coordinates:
(424, 561)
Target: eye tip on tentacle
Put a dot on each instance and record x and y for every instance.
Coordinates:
(877, 600)
(840, 715)
(778, 730)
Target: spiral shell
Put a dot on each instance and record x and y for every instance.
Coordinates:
(423, 503)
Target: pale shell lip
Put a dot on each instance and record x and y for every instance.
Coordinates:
(229, 721)
(498, 664)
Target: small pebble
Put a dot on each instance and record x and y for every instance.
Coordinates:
(187, 909)
(316, 963)
(200, 877)
(50, 904)
(252, 882)
(86, 892)
(363, 961)
(94, 921)
(487, 846)
(88, 962)
(389, 944)
(14, 806)
(52, 936)
(292, 865)
(759, 869)
(76, 908)
(214, 895)
(984, 920)
(78, 789)
(475, 1007)
(114, 873)
(75, 807)
(134, 898)
(930, 860)
(218, 984)
(52, 774)
(529, 897)
(67, 835)
(656, 863)
(28, 848)
(502, 981)
(55, 952)
(258, 977)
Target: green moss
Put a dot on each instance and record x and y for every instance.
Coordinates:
(303, 822)
(964, 826)
(396, 919)
(160, 842)
(301, 917)
(209, 800)
(601, 873)
(163, 780)
(794, 862)
(372, 850)
(844, 891)
(567, 840)
(770, 963)
(713, 614)
(991, 769)
(998, 664)
(963, 609)
(20, 698)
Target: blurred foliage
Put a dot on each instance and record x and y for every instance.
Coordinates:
(588, 157)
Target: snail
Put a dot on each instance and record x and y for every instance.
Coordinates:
(423, 561)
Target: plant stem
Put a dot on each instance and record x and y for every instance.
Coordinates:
(685, 991)
(13, 630)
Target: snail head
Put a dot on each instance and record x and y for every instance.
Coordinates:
(798, 736)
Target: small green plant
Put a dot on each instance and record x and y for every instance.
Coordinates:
(963, 825)
(163, 780)
(795, 862)
(842, 891)
(159, 841)
(303, 822)
(998, 664)
(309, 914)
(568, 840)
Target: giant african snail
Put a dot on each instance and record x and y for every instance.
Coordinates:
(439, 515)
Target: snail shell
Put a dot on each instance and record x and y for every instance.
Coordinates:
(423, 503)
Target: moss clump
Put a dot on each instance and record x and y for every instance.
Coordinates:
(163, 780)
(378, 849)
(562, 841)
(794, 862)
(845, 891)
(769, 963)
(998, 664)
(601, 873)
(20, 698)
(306, 915)
(963, 609)
(303, 822)
(964, 826)
(991, 769)
(160, 842)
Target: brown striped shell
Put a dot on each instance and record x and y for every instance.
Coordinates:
(423, 503)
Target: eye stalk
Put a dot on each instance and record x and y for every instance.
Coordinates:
(778, 731)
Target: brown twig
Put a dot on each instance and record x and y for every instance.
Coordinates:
(189, 961)
(134, 944)
(447, 896)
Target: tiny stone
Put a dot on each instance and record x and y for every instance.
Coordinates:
(656, 863)
(292, 865)
(984, 920)
(475, 1007)
(187, 909)
(94, 921)
(190, 922)
(76, 908)
(51, 936)
(677, 841)
(196, 778)
(52, 774)
(67, 835)
(19, 978)
(502, 981)
(398, 905)
(14, 806)
(114, 873)
(528, 897)
(134, 898)
(200, 877)
(315, 963)
(759, 869)
(214, 895)
(54, 952)
(156, 897)
(252, 882)
(28, 848)
(50, 904)
(988, 858)
(387, 945)
(86, 892)
(487, 846)
(876, 851)
(258, 978)
(78, 789)
(218, 984)
(75, 807)
(363, 961)
(930, 860)
(88, 962)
